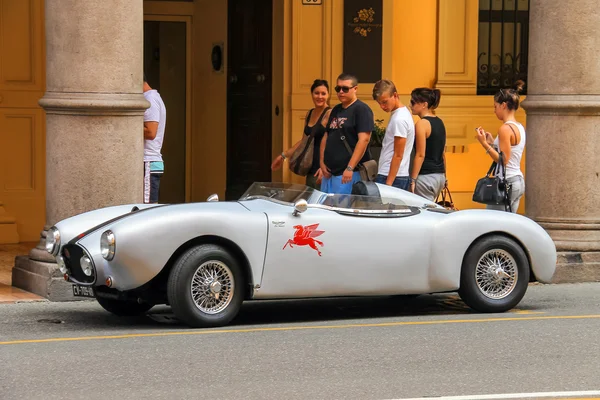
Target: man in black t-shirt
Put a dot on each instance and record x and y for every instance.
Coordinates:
(352, 120)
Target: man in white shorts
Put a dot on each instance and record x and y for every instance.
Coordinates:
(155, 121)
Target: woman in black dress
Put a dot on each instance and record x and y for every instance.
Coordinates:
(320, 98)
(428, 175)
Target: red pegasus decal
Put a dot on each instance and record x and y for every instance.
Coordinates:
(305, 235)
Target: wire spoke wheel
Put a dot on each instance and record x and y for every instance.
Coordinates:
(496, 274)
(212, 287)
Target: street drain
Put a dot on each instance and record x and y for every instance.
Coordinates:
(50, 321)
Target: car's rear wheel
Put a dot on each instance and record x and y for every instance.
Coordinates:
(494, 275)
(123, 308)
(205, 287)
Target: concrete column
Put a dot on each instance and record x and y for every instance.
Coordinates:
(563, 132)
(94, 106)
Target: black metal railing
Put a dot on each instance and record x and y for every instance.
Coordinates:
(503, 44)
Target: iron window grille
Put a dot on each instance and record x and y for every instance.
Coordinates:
(503, 44)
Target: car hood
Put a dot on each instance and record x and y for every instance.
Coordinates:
(82, 224)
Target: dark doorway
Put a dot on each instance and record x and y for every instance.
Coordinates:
(248, 94)
(165, 67)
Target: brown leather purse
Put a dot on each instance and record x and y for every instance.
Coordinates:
(446, 201)
(301, 160)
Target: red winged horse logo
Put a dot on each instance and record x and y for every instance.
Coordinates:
(305, 235)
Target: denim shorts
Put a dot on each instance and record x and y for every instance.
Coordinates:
(401, 182)
(335, 185)
(151, 183)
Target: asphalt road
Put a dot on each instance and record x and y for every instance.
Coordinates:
(383, 348)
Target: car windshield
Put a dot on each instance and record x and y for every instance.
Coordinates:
(289, 193)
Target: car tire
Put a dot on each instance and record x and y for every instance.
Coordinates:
(123, 308)
(225, 293)
(483, 285)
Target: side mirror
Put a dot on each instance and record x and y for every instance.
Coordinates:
(213, 197)
(300, 206)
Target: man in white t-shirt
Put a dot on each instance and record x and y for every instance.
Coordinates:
(397, 144)
(155, 120)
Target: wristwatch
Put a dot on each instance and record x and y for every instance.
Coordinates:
(349, 168)
(283, 155)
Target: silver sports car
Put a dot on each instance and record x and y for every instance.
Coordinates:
(291, 241)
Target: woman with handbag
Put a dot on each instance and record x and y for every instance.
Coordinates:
(510, 142)
(428, 174)
(304, 156)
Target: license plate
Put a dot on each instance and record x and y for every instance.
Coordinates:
(83, 291)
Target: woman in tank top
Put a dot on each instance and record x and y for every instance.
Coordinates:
(510, 141)
(428, 174)
(320, 98)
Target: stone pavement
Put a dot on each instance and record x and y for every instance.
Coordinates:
(8, 293)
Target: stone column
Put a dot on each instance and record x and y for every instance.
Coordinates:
(563, 132)
(94, 124)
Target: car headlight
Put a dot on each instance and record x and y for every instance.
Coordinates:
(52, 240)
(60, 261)
(107, 245)
(86, 265)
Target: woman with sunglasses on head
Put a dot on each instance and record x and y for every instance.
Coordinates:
(428, 175)
(320, 113)
(510, 141)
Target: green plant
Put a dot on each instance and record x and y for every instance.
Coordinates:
(378, 133)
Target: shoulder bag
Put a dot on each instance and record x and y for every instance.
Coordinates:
(301, 160)
(368, 169)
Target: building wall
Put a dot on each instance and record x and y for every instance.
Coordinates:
(425, 43)
(209, 115)
(22, 120)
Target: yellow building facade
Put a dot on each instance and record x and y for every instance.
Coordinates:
(225, 104)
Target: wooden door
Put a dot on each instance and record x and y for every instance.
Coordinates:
(167, 65)
(22, 120)
(248, 94)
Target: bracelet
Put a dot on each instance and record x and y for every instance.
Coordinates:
(488, 149)
(283, 155)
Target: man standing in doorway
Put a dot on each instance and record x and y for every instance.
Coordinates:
(350, 121)
(155, 121)
(399, 137)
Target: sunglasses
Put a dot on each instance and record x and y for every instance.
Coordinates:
(345, 89)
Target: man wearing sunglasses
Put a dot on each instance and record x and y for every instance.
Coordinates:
(352, 122)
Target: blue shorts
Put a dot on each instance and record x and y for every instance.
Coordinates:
(335, 185)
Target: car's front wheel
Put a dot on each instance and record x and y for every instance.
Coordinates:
(495, 274)
(123, 308)
(205, 287)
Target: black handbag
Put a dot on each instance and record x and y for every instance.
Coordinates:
(493, 190)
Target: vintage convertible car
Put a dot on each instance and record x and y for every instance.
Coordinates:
(291, 241)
